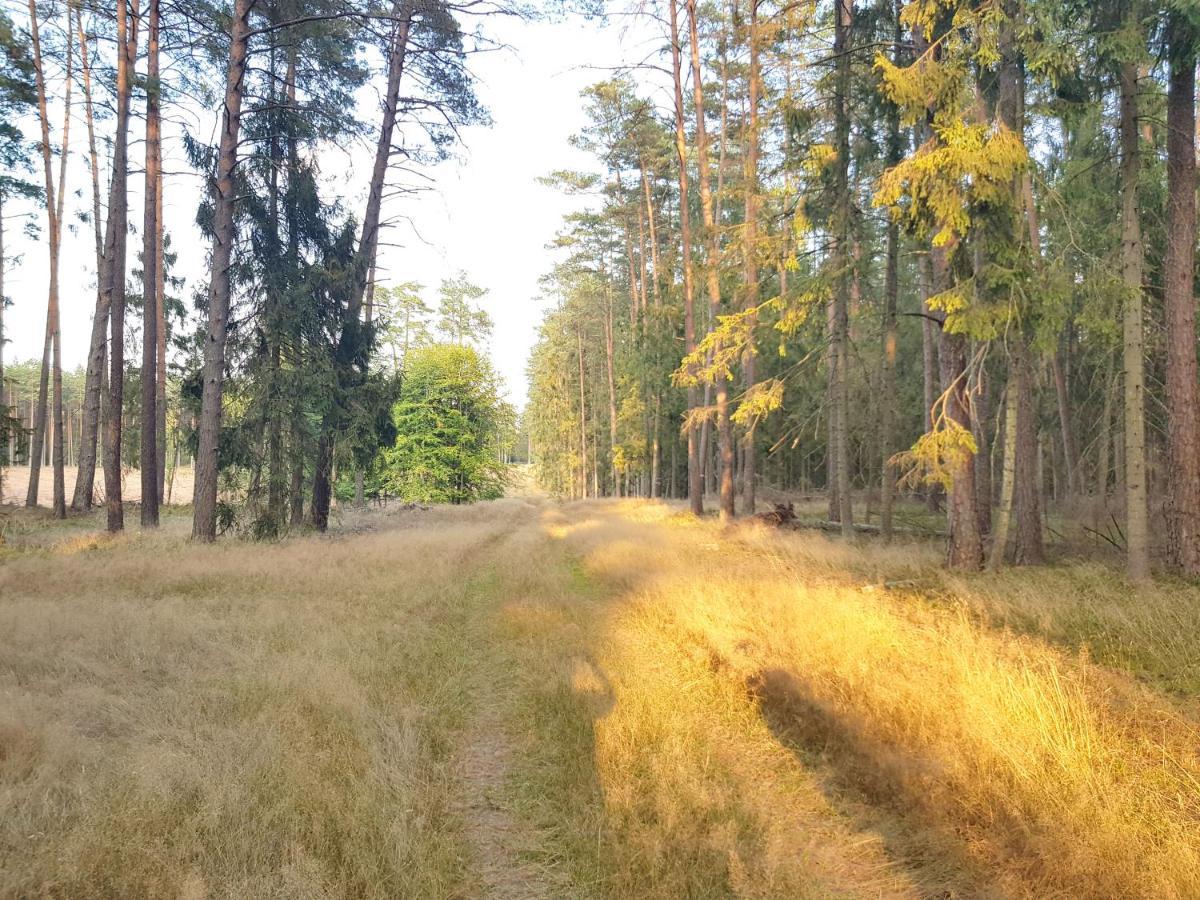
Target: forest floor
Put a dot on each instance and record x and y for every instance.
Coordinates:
(16, 483)
(526, 699)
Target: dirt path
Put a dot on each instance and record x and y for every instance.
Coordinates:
(499, 840)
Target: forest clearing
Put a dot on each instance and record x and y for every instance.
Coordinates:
(599, 450)
(531, 699)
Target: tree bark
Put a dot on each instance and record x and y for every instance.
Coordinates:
(711, 263)
(1183, 396)
(965, 546)
(55, 196)
(612, 394)
(160, 318)
(1136, 511)
(204, 518)
(583, 443)
(1007, 484)
(85, 476)
(148, 451)
(749, 375)
(843, 26)
(891, 293)
(1029, 549)
(695, 469)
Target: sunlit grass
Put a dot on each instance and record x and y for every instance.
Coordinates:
(605, 699)
(977, 755)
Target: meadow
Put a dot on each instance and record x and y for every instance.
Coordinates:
(598, 699)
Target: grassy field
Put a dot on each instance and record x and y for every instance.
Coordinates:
(523, 699)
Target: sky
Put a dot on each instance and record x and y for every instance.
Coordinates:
(485, 212)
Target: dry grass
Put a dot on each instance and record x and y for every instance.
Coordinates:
(239, 720)
(987, 762)
(597, 700)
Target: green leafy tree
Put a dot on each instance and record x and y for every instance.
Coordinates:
(450, 427)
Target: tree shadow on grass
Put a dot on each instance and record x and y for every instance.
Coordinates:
(882, 791)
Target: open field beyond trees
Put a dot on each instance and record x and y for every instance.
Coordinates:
(527, 699)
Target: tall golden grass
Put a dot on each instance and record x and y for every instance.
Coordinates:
(600, 699)
(986, 761)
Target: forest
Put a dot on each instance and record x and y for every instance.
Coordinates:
(939, 249)
(276, 381)
(843, 541)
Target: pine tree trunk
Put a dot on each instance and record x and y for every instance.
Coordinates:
(296, 488)
(711, 263)
(115, 244)
(965, 547)
(612, 395)
(695, 470)
(348, 342)
(204, 517)
(1136, 511)
(843, 263)
(832, 485)
(160, 318)
(148, 450)
(981, 415)
(1104, 462)
(929, 366)
(6, 436)
(891, 292)
(1183, 397)
(1062, 398)
(1007, 483)
(583, 441)
(85, 477)
(749, 458)
(1028, 487)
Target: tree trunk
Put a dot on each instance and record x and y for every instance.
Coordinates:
(85, 477)
(843, 26)
(695, 471)
(929, 366)
(612, 394)
(583, 443)
(1007, 484)
(981, 415)
(832, 433)
(160, 318)
(891, 292)
(148, 451)
(654, 288)
(204, 520)
(711, 263)
(51, 352)
(965, 547)
(1062, 397)
(1183, 397)
(749, 460)
(6, 436)
(1136, 511)
(368, 242)
(115, 243)
(1028, 486)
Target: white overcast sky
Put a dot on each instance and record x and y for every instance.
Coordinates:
(486, 213)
